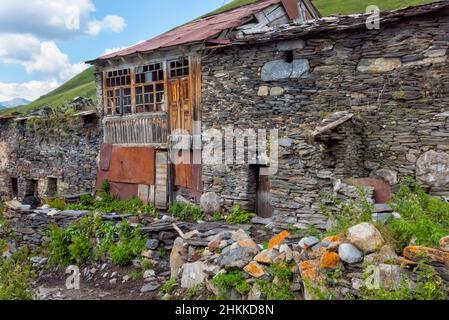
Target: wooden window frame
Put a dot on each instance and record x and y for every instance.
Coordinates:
(114, 94)
(153, 105)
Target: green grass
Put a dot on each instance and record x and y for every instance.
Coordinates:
(82, 85)
(333, 7)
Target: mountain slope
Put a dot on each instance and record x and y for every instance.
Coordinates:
(81, 85)
(84, 84)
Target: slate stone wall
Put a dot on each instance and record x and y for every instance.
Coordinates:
(394, 80)
(63, 151)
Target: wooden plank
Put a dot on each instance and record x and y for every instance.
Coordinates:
(161, 190)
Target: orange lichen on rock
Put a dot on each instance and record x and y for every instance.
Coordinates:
(255, 269)
(278, 240)
(416, 253)
(336, 238)
(316, 254)
(309, 269)
(330, 261)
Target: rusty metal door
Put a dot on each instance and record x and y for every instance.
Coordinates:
(263, 197)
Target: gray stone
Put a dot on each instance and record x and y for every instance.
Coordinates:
(378, 65)
(350, 254)
(288, 45)
(384, 255)
(308, 242)
(276, 91)
(286, 142)
(150, 287)
(381, 208)
(280, 69)
(193, 274)
(237, 258)
(432, 169)
(210, 203)
(366, 237)
(178, 256)
(152, 244)
(263, 91)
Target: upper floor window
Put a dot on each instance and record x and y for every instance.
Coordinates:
(150, 88)
(118, 92)
(179, 68)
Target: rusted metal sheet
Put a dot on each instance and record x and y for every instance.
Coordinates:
(132, 165)
(105, 156)
(124, 190)
(291, 7)
(198, 30)
(382, 189)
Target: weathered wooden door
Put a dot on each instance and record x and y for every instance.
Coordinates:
(263, 198)
(180, 104)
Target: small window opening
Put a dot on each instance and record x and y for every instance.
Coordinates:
(289, 56)
(15, 187)
(52, 187)
(31, 188)
(179, 68)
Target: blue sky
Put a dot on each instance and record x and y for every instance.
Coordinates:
(51, 39)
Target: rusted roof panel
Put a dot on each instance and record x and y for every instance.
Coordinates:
(196, 31)
(291, 7)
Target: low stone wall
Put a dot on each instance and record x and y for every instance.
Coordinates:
(29, 228)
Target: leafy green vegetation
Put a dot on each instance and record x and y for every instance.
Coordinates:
(90, 239)
(2, 209)
(107, 204)
(217, 217)
(82, 85)
(423, 217)
(280, 287)
(169, 286)
(15, 276)
(228, 281)
(350, 213)
(239, 216)
(186, 211)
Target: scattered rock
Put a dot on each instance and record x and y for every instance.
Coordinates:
(310, 270)
(255, 294)
(214, 243)
(148, 274)
(366, 237)
(237, 258)
(444, 244)
(385, 254)
(210, 203)
(432, 169)
(288, 252)
(267, 256)
(240, 235)
(330, 261)
(308, 242)
(178, 257)
(255, 269)
(350, 253)
(278, 240)
(150, 287)
(415, 253)
(193, 274)
(113, 281)
(249, 243)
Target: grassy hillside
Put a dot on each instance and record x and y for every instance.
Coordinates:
(81, 85)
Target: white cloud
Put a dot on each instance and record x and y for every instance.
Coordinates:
(112, 50)
(43, 57)
(29, 90)
(110, 22)
(51, 19)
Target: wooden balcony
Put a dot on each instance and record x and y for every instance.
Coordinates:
(137, 129)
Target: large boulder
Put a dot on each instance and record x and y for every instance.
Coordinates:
(366, 237)
(193, 274)
(237, 258)
(432, 169)
(178, 256)
(210, 203)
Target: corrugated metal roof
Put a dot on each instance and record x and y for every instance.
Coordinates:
(198, 30)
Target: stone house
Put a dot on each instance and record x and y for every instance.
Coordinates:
(352, 105)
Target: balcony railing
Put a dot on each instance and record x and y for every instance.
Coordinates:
(145, 129)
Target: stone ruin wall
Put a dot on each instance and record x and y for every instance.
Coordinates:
(70, 157)
(395, 80)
